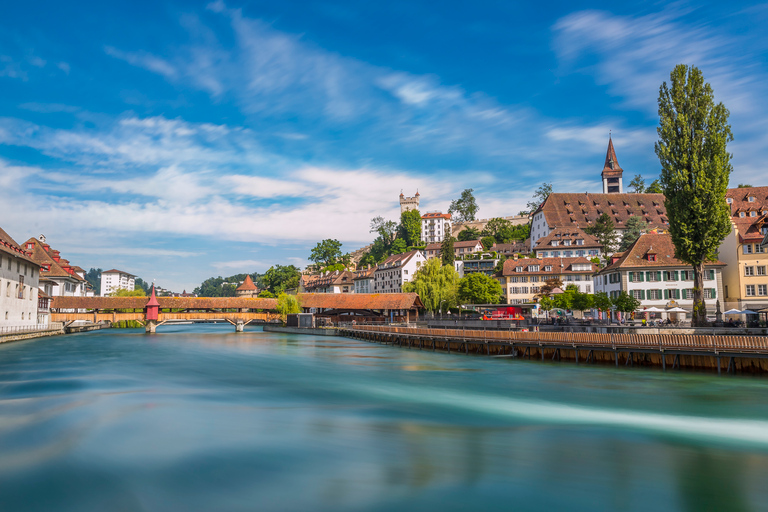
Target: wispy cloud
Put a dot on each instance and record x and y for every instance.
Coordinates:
(143, 60)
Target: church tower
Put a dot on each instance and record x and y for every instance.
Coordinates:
(612, 182)
(409, 203)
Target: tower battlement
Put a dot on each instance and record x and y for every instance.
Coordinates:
(409, 203)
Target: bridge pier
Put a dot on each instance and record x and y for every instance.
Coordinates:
(150, 327)
(239, 326)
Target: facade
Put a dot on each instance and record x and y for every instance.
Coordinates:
(65, 280)
(339, 281)
(409, 203)
(582, 209)
(512, 249)
(568, 242)
(481, 265)
(435, 226)
(460, 249)
(247, 289)
(649, 271)
(364, 280)
(113, 280)
(521, 279)
(745, 279)
(396, 270)
(19, 281)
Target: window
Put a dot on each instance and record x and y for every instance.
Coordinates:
(533, 268)
(555, 243)
(638, 294)
(751, 199)
(742, 214)
(759, 249)
(566, 242)
(749, 271)
(750, 290)
(747, 248)
(761, 270)
(548, 268)
(729, 200)
(21, 287)
(518, 269)
(651, 257)
(753, 214)
(654, 275)
(762, 289)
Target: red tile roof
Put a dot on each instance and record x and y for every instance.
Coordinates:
(436, 215)
(571, 233)
(559, 266)
(360, 301)
(749, 227)
(165, 303)
(42, 254)
(115, 271)
(582, 209)
(8, 245)
(396, 259)
(636, 256)
(247, 285)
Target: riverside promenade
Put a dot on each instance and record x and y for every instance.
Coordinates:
(726, 353)
(17, 333)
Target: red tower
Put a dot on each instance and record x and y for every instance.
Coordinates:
(152, 309)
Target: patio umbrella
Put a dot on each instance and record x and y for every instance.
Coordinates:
(653, 309)
(748, 312)
(732, 312)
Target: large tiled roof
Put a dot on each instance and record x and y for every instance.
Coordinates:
(436, 215)
(165, 303)
(42, 254)
(247, 285)
(570, 233)
(8, 245)
(334, 278)
(517, 247)
(396, 259)
(748, 226)
(559, 266)
(359, 301)
(582, 209)
(115, 271)
(456, 245)
(636, 256)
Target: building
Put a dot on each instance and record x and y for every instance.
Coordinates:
(581, 210)
(19, 281)
(435, 226)
(364, 280)
(246, 289)
(460, 249)
(113, 280)
(339, 281)
(512, 249)
(395, 271)
(483, 264)
(568, 242)
(649, 271)
(745, 280)
(521, 279)
(60, 278)
(409, 203)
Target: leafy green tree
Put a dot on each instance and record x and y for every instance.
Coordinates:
(583, 301)
(140, 283)
(695, 167)
(637, 184)
(625, 303)
(121, 292)
(398, 246)
(280, 278)
(488, 242)
(565, 300)
(550, 284)
(436, 284)
(93, 276)
(654, 188)
(326, 252)
(469, 233)
(635, 227)
(447, 255)
(521, 232)
(500, 229)
(605, 232)
(287, 305)
(336, 267)
(743, 185)
(410, 227)
(464, 208)
(546, 304)
(266, 294)
(602, 302)
(478, 288)
(539, 196)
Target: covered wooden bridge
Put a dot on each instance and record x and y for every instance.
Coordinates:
(363, 307)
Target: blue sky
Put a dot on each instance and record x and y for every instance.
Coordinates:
(179, 141)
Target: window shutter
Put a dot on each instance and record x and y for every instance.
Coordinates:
(641, 275)
(712, 293)
(711, 274)
(658, 275)
(666, 294)
(664, 275)
(629, 276)
(677, 275)
(642, 294)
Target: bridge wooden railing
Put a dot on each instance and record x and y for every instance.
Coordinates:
(720, 343)
(164, 317)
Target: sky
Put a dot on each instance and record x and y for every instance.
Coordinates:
(183, 140)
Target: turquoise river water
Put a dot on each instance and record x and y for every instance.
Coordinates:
(199, 418)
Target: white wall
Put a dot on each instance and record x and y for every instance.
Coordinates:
(15, 311)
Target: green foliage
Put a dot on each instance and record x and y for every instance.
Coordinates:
(637, 184)
(93, 276)
(326, 253)
(223, 287)
(546, 303)
(447, 255)
(127, 324)
(410, 227)
(601, 301)
(398, 246)
(280, 278)
(583, 301)
(635, 226)
(478, 288)
(121, 292)
(550, 284)
(436, 284)
(654, 188)
(488, 242)
(140, 283)
(464, 208)
(266, 294)
(625, 303)
(539, 196)
(695, 168)
(604, 230)
(743, 185)
(469, 233)
(333, 268)
(287, 305)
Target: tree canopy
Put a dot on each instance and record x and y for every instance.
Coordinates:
(464, 208)
(287, 305)
(436, 284)
(410, 227)
(223, 286)
(447, 255)
(326, 253)
(468, 233)
(280, 278)
(539, 196)
(695, 168)
(605, 232)
(654, 188)
(637, 184)
(635, 227)
(625, 303)
(122, 292)
(478, 288)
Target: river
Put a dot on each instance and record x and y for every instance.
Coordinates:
(199, 418)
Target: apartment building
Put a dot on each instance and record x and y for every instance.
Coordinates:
(521, 279)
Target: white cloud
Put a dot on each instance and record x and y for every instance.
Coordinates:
(143, 60)
(239, 264)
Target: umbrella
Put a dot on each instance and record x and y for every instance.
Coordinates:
(676, 310)
(732, 312)
(748, 312)
(653, 310)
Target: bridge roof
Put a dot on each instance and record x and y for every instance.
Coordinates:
(165, 303)
(360, 300)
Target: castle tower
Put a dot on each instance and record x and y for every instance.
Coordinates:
(612, 182)
(409, 203)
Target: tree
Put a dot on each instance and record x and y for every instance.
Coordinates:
(583, 302)
(464, 208)
(500, 229)
(539, 196)
(654, 188)
(695, 167)
(387, 229)
(447, 255)
(478, 288)
(635, 227)
(122, 292)
(637, 184)
(565, 300)
(93, 276)
(605, 232)
(602, 302)
(436, 284)
(140, 283)
(546, 304)
(266, 294)
(287, 305)
(398, 246)
(280, 278)
(625, 303)
(550, 284)
(488, 242)
(469, 233)
(410, 227)
(743, 185)
(326, 252)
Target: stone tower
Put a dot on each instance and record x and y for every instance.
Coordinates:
(409, 203)
(612, 182)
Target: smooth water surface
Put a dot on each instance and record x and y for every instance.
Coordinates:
(199, 418)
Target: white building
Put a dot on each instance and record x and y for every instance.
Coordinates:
(113, 280)
(19, 276)
(364, 281)
(649, 272)
(396, 270)
(434, 227)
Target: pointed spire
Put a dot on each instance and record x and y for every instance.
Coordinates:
(247, 284)
(611, 162)
(152, 298)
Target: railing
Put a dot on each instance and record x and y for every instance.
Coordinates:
(20, 329)
(712, 343)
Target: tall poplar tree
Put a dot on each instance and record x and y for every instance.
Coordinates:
(695, 166)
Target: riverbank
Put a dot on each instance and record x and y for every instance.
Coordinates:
(300, 330)
(8, 334)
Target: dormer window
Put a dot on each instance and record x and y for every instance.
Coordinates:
(579, 242)
(548, 268)
(753, 214)
(729, 200)
(651, 256)
(751, 199)
(566, 242)
(518, 269)
(555, 243)
(742, 214)
(533, 268)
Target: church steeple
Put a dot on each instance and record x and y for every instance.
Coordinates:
(612, 172)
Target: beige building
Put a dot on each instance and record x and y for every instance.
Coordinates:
(19, 280)
(521, 279)
(568, 242)
(745, 279)
(460, 249)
